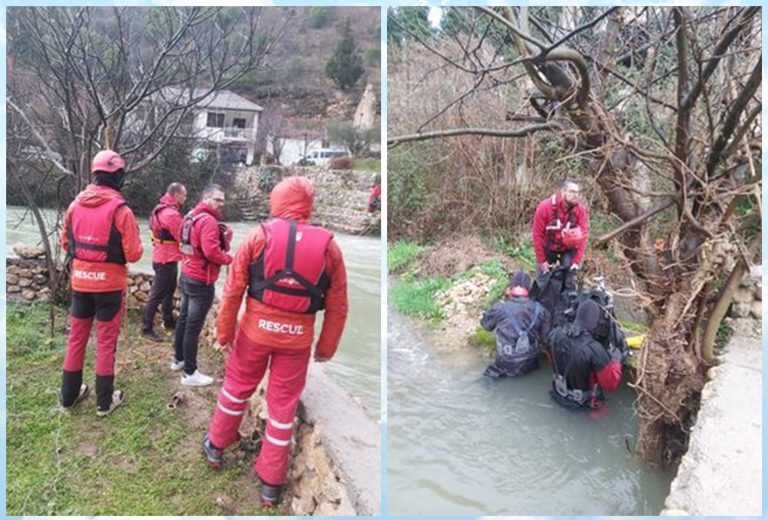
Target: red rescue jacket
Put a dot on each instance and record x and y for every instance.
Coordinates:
(209, 251)
(165, 228)
(266, 320)
(100, 234)
(290, 273)
(551, 218)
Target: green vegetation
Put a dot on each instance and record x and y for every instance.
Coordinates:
(521, 252)
(496, 270)
(632, 328)
(319, 16)
(410, 294)
(416, 298)
(356, 140)
(401, 254)
(723, 335)
(483, 339)
(367, 165)
(141, 460)
(346, 65)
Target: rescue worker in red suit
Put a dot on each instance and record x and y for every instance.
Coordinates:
(560, 229)
(204, 246)
(374, 198)
(100, 236)
(288, 270)
(165, 228)
(583, 368)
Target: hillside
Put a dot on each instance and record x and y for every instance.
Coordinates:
(295, 80)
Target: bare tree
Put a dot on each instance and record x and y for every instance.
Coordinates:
(662, 106)
(82, 78)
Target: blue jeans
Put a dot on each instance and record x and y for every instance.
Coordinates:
(196, 301)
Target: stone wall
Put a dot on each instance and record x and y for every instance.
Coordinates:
(748, 299)
(27, 279)
(317, 479)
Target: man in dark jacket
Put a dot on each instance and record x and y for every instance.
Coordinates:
(520, 325)
(204, 246)
(165, 227)
(583, 369)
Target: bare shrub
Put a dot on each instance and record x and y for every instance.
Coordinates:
(470, 182)
(341, 163)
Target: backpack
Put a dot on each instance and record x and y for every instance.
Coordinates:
(523, 343)
(607, 333)
(185, 244)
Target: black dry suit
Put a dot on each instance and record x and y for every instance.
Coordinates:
(607, 331)
(578, 360)
(519, 325)
(554, 290)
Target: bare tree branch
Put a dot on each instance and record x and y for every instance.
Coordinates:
(489, 132)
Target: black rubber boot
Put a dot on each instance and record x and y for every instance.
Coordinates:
(70, 388)
(269, 495)
(105, 385)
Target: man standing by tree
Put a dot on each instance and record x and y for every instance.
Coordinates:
(165, 227)
(560, 227)
(204, 246)
(289, 270)
(100, 236)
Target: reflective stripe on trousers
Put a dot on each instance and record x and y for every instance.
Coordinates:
(246, 366)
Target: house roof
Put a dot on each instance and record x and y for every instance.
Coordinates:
(221, 99)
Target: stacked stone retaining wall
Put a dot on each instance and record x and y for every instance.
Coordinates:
(318, 482)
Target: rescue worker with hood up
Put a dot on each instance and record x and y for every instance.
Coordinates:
(204, 247)
(560, 229)
(289, 271)
(520, 326)
(100, 236)
(583, 369)
(165, 223)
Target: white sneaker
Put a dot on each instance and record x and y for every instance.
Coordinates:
(176, 365)
(196, 379)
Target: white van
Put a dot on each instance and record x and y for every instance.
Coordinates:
(323, 156)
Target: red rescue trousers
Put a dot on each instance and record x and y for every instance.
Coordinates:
(287, 375)
(108, 309)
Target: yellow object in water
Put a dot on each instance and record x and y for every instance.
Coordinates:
(635, 341)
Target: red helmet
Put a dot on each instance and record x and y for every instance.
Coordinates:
(107, 161)
(572, 237)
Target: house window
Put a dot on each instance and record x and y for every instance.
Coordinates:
(238, 122)
(215, 120)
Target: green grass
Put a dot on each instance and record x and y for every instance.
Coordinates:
(141, 460)
(723, 335)
(483, 339)
(401, 255)
(417, 297)
(520, 252)
(632, 328)
(367, 165)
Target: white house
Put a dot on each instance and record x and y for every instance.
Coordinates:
(220, 117)
(289, 145)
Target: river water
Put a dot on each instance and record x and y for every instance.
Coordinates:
(460, 444)
(357, 364)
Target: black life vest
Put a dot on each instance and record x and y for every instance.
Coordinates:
(160, 234)
(577, 393)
